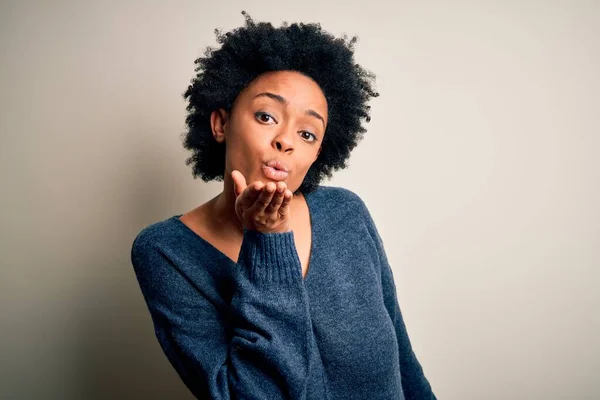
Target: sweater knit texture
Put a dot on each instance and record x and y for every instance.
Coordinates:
(258, 329)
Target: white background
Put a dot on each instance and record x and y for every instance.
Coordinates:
(480, 167)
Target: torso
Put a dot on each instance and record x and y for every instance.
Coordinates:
(199, 221)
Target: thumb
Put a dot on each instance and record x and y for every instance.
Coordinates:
(239, 182)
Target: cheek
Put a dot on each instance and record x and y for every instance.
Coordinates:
(244, 151)
(303, 170)
(251, 137)
(244, 138)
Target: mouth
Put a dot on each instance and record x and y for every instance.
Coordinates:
(275, 170)
(278, 165)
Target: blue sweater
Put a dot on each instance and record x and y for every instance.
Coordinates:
(257, 329)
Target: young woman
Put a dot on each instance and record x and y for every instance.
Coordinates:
(277, 288)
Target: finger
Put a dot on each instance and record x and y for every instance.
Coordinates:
(239, 182)
(265, 198)
(277, 199)
(251, 194)
(284, 209)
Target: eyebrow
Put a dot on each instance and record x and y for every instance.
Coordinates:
(282, 100)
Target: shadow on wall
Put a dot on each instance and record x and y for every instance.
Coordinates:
(118, 356)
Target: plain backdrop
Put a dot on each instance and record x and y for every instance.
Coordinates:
(480, 167)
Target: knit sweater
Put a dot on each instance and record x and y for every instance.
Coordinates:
(258, 329)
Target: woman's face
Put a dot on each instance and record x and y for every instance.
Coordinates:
(275, 129)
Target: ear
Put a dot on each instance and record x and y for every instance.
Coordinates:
(219, 120)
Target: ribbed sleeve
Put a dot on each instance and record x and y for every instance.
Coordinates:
(260, 348)
(271, 258)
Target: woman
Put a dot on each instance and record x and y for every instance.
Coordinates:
(277, 288)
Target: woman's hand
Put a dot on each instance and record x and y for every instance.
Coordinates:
(262, 207)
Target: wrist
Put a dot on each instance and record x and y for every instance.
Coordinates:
(280, 229)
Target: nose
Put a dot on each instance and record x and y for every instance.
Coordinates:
(284, 141)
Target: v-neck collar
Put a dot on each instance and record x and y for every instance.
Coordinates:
(311, 215)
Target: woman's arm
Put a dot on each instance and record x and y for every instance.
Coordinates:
(414, 383)
(265, 353)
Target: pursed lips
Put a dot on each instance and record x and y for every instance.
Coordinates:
(278, 165)
(275, 170)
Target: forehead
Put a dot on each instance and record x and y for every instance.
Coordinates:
(296, 88)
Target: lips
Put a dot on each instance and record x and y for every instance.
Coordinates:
(275, 170)
(279, 165)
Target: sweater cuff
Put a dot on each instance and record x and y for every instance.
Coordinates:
(270, 257)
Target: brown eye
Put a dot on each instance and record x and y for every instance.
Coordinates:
(264, 117)
(309, 137)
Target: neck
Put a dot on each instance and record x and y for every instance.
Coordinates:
(223, 209)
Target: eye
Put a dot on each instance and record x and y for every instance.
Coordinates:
(264, 117)
(309, 137)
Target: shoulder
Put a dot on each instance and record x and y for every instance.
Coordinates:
(154, 232)
(152, 238)
(338, 198)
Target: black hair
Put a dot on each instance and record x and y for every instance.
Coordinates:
(251, 50)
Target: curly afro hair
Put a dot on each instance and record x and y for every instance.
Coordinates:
(256, 48)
